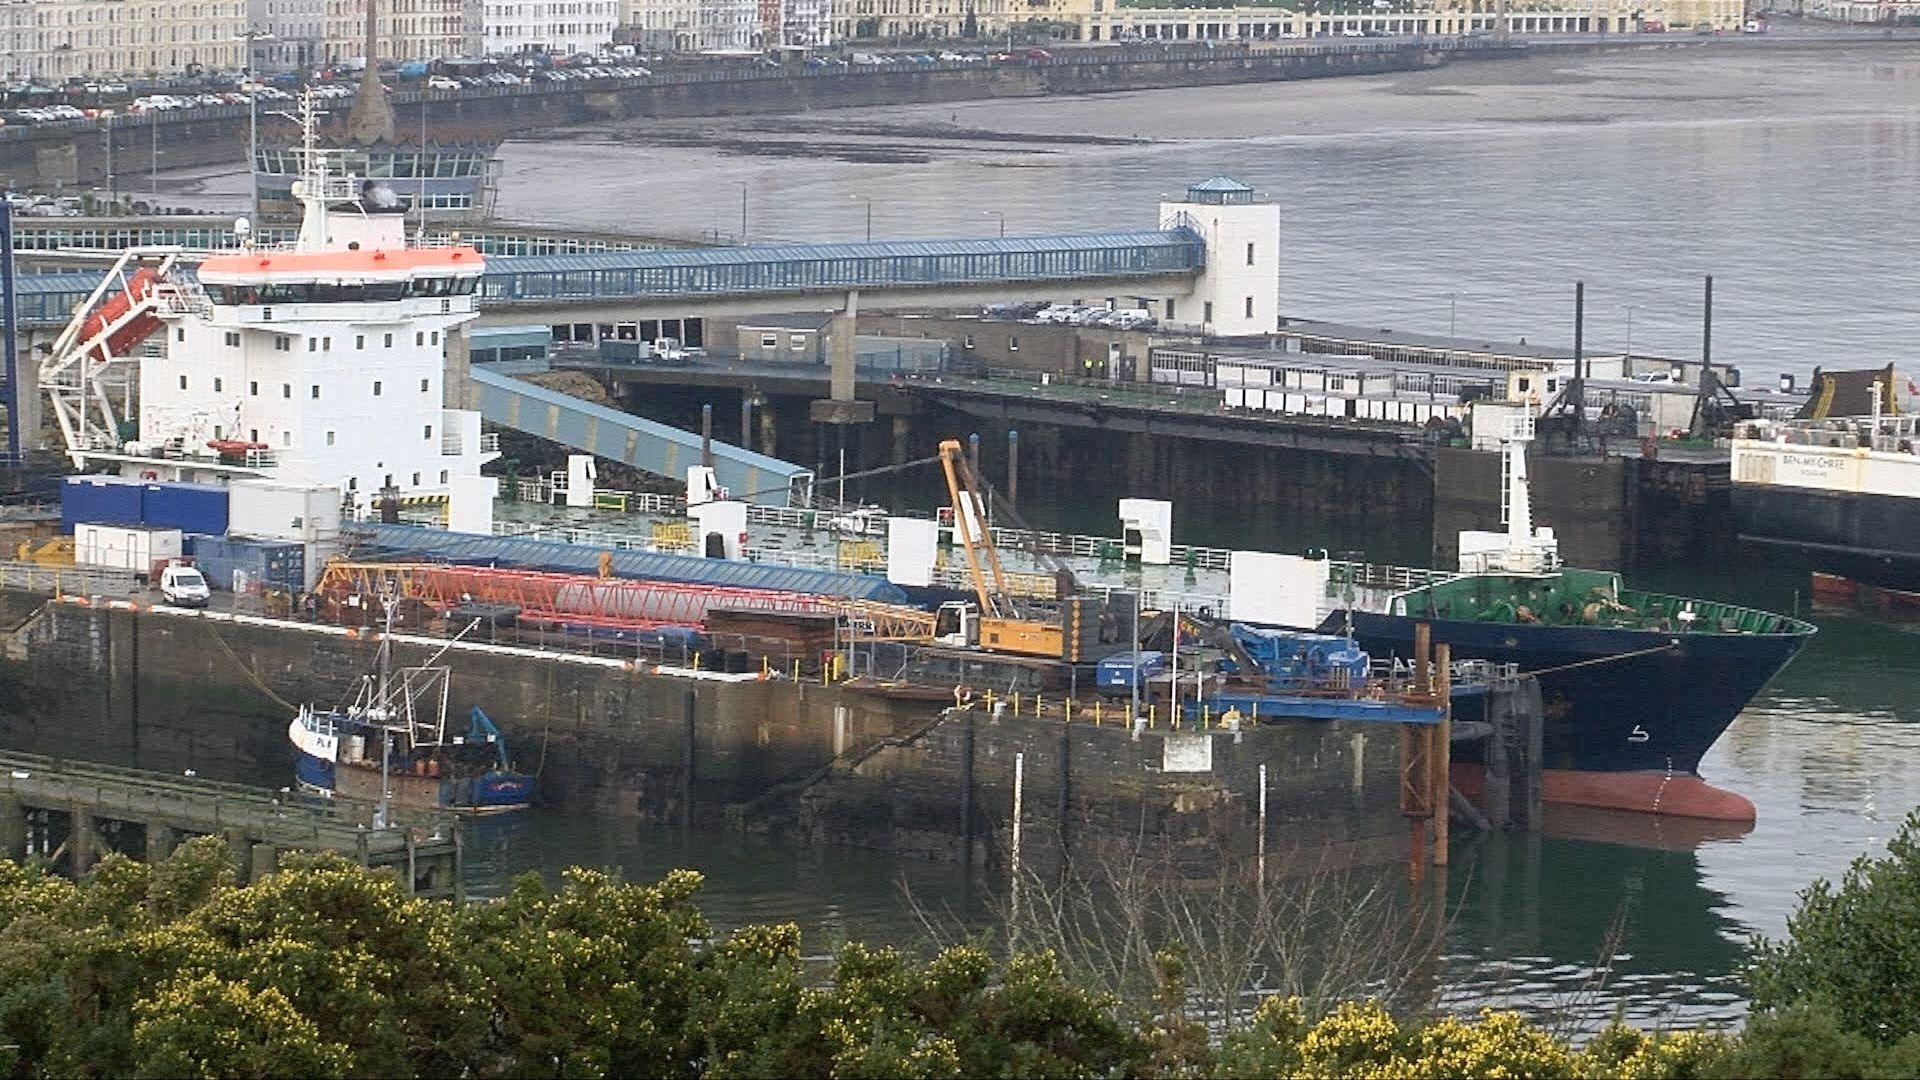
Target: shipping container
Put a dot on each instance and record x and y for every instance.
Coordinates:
(120, 547)
(106, 500)
(191, 508)
(273, 511)
(237, 564)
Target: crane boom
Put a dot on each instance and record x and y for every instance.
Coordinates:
(970, 524)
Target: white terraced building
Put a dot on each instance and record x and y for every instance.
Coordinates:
(553, 27)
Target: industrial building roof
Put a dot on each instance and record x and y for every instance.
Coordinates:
(417, 542)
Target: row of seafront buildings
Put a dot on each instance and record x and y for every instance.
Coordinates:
(52, 41)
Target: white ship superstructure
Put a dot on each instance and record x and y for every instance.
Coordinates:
(317, 364)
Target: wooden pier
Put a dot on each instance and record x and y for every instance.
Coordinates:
(70, 813)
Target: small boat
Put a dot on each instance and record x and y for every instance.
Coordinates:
(391, 747)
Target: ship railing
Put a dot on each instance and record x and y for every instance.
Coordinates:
(490, 442)
(67, 580)
(1380, 577)
(261, 459)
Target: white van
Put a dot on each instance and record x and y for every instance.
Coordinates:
(184, 586)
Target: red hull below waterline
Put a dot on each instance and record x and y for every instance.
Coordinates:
(1641, 792)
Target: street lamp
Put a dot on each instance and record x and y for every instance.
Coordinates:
(868, 199)
(1002, 215)
(250, 36)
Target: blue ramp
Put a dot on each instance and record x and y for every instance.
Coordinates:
(656, 448)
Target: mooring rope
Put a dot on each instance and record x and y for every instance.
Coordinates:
(248, 671)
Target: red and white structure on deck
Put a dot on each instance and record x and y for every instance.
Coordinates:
(318, 364)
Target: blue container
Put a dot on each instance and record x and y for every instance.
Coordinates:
(1115, 674)
(272, 564)
(100, 500)
(191, 508)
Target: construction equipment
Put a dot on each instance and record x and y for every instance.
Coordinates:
(999, 624)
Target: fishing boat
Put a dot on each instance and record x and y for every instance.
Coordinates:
(391, 746)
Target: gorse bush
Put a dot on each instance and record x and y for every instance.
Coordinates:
(325, 969)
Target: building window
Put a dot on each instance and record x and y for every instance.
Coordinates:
(326, 344)
(796, 342)
(769, 341)
(282, 344)
(359, 341)
(376, 388)
(1249, 254)
(1013, 344)
(233, 339)
(427, 432)
(286, 438)
(389, 341)
(329, 438)
(420, 338)
(315, 391)
(183, 382)
(253, 388)
(180, 334)
(353, 483)
(1169, 309)
(1206, 312)
(443, 476)
(216, 384)
(435, 337)
(1249, 307)
(426, 386)
(253, 436)
(313, 344)
(416, 479)
(286, 390)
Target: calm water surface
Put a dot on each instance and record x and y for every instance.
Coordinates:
(1477, 193)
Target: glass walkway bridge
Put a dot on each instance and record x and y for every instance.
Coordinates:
(611, 277)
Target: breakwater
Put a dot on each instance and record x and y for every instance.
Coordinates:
(97, 152)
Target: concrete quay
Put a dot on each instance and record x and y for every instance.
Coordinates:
(70, 813)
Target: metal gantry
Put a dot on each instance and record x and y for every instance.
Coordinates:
(616, 603)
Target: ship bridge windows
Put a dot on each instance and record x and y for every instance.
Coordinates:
(333, 292)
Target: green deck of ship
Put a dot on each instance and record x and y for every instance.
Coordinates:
(1594, 598)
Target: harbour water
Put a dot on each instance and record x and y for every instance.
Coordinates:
(1472, 195)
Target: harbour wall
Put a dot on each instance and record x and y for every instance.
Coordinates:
(86, 153)
(209, 697)
(170, 693)
(947, 791)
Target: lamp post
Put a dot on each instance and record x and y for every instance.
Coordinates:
(1002, 215)
(251, 36)
(868, 199)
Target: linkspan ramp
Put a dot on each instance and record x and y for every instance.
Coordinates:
(644, 444)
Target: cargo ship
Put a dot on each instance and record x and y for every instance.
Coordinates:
(1844, 492)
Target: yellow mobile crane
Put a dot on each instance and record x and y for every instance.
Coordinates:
(999, 625)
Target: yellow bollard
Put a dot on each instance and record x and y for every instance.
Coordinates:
(1016, 703)
(1151, 709)
(1096, 712)
(988, 698)
(1206, 717)
(766, 667)
(796, 671)
(1038, 708)
(1256, 710)
(1069, 710)
(696, 661)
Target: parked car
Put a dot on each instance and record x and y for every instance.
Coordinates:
(442, 82)
(1039, 55)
